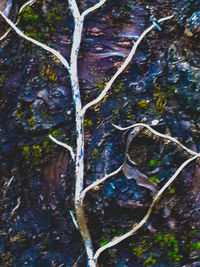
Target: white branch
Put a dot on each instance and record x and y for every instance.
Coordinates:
(29, 3)
(99, 182)
(17, 206)
(123, 66)
(63, 145)
(136, 227)
(44, 46)
(10, 181)
(93, 8)
(74, 8)
(73, 219)
(158, 134)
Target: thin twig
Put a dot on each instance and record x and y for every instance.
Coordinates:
(123, 66)
(78, 259)
(10, 181)
(136, 227)
(63, 145)
(44, 46)
(16, 207)
(73, 219)
(99, 182)
(158, 134)
(93, 8)
(29, 3)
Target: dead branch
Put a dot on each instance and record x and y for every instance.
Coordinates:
(63, 145)
(123, 66)
(172, 139)
(79, 115)
(44, 46)
(29, 3)
(100, 181)
(117, 240)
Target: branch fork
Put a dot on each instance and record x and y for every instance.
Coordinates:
(72, 69)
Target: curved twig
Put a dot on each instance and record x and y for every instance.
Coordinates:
(123, 66)
(158, 134)
(29, 3)
(93, 8)
(63, 145)
(99, 182)
(44, 46)
(117, 240)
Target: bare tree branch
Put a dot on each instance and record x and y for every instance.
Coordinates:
(158, 134)
(93, 8)
(79, 163)
(74, 8)
(99, 182)
(123, 66)
(73, 219)
(117, 240)
(63, 145)
(80, 193)
(10, 181)
(29, 3)
(16, 207)
(44, 46)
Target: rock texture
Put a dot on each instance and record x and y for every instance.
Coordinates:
(37, 180)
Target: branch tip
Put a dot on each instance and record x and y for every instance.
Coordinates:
(63, 145)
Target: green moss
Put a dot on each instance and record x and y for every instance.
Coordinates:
(149, 261)
(95, 153)
(100, 84)
(161, 100)
(28, 14)
(2, 79)
(172, 191)
(171, 90)
(160, 237)
(119, 88)
(31, 122)
(53, 17)
(131, 116)
(47, 145)
(195, 246)
(154, 162)
(49, 72)
(26, 151)
(104, 242)
(46, 116)
(38, 154)
(56, 133)
(170, 243)
(143, 104)
(19, 113)
(140, 250)
(87, 123)
(154, 179)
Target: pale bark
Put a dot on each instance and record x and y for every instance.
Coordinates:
(79, 117)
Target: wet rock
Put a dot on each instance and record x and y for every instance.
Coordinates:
(33, 101)
(192, 27)
(141, 179)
